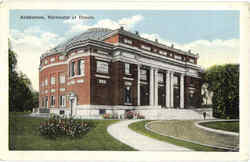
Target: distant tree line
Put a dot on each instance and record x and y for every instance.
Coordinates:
(21, 95)
(223, 82)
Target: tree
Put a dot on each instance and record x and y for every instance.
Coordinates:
(223, 82)
(21, 95)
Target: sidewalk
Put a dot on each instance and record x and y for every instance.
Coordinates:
(121, 132)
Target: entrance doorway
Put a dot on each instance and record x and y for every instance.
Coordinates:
(144, 94)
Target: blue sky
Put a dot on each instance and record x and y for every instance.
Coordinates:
(179, 26)
(212, 34)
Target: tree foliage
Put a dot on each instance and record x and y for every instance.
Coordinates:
(21, 95)
(223, 81)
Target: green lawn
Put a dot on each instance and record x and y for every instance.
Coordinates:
(140, 128)
(231, 126)
(24, 135)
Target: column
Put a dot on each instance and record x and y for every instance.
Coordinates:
(138, 86)
(182, 91)
(172, 89)
(156, 87)
(151, 91)
(167, 85)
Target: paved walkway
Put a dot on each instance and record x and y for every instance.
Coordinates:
(140, 142)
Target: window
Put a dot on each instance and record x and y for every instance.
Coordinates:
(127, 68)
(42, 84)
(61, 57)
(52, 80)
(52, 101)
(62, 101)
(163, 52)
(191, 60)
(46, 82)
(80, 67)
(176, 80)
(46, 101)
(52, 59)
(102, 67)
(45, 61)
(143, 74)
(160, 77)
(102, 81)
(73, 69)
(178, 57)
(145, 47)
(102, 111)
(127, 95)
(62, 78)
(128, 41)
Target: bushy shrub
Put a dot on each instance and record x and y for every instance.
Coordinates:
(129, 115)
(57, 126)
(110, 116)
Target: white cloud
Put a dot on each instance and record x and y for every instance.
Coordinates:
(128, 23)
(210, 52)
(29, 46)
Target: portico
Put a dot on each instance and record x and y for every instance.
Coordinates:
(166, 81)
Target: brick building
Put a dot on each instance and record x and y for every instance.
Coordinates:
(103, 70)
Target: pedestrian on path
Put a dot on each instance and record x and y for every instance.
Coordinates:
(204, 115)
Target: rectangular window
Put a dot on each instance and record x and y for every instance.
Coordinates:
(102, 67)
(62, 101)
(52, 80)
(52, 59)
(163, 52)
(178, 57)
(80, 67)
(45, 61)
(73, 69)
(102, 81)
(176, 80)
(52, 101)
(46, 101)
(128, 41)
(102, 111)
(143, 74)
(61, 57)
(191, 60)
(160, 77)
(146, 47)
(62, 78)
(127, 68)
(46, 82)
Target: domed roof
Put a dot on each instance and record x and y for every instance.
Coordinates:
(93, 33)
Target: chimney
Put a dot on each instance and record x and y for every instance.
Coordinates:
(137, 33)
(172, 45)
(189, 51)
(156, 40)
(121, 28)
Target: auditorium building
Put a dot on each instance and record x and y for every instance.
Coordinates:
(104, 70)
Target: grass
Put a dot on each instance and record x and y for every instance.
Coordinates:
(140, 128)
(24, 135)
(231, 126)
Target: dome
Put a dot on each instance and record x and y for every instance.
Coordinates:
(93, 33)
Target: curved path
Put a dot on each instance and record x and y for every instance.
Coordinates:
(121, 132)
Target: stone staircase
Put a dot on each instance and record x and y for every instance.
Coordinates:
(176, 114)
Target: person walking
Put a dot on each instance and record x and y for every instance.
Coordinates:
(204, 115)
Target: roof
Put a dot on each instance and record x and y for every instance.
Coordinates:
(93, 33)
(102, 33)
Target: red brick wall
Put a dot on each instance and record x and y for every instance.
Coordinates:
(112, 39)
(82, 90)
